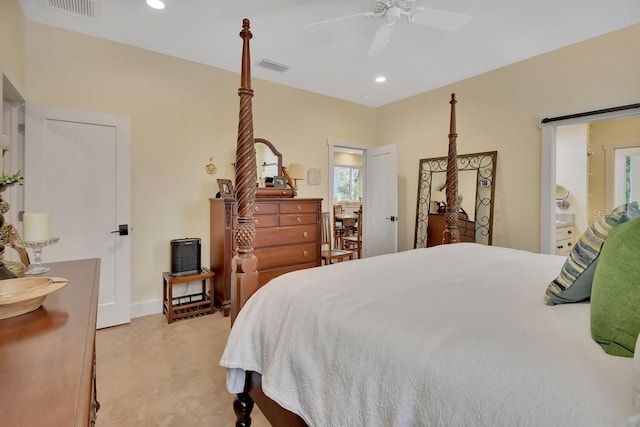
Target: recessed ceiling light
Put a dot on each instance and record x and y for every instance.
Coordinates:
(156, 4)
(381, 79)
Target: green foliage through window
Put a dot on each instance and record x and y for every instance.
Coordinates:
(346, 183)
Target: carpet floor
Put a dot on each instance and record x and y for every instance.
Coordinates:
(150, 373)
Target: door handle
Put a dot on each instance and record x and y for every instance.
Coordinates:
(123, 230)
(392, 218)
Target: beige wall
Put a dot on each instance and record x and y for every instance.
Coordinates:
(602, 135)
(12, 41)
(182, 114)
(500, 111)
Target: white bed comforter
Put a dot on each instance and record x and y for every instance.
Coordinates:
(456, 335)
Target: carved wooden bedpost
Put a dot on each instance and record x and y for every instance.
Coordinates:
(244, 274)
(451, 233)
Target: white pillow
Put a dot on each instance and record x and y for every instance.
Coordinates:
(636, 376)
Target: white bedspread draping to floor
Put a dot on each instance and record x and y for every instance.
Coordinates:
(455, 335)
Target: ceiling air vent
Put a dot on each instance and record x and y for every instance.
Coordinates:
(84, 8)
(273, 65)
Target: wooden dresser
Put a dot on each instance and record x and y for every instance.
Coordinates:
(47, 373)
(288, 236)
(436, 227)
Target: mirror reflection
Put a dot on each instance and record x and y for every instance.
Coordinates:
(476, 179)
(268, 160)
(466, 192)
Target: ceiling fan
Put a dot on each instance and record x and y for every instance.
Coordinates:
(393, 10)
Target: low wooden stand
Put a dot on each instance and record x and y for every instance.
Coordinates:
(183, 306)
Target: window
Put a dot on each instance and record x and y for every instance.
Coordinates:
(346, 183)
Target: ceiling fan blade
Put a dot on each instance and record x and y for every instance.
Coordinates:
(381, 39)
(323, 24)
(440, 19)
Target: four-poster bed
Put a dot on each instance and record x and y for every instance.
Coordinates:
(412, 338)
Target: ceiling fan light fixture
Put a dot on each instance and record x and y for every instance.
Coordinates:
(380, 79)
(156, 4)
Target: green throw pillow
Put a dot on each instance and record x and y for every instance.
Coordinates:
(615, 296)
(573, 284)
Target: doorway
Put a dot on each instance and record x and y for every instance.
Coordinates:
(13, 160)
(377, 182)
(606, 129)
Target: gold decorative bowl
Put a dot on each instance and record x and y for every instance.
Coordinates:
(25, 294)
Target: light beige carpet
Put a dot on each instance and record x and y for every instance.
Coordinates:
(150, 373)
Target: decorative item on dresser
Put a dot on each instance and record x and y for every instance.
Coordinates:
(288, 236)
(47, 374)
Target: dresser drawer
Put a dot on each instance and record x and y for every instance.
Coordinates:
(265, 221)
(298, 207)
(266, 275)
(285, 235)
(265, 208)
(564, 232)
(289, 219)
(564, 247)
(281, 256)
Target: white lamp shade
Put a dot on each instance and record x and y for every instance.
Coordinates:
(295, 171)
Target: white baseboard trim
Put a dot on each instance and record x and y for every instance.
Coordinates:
(146, 308)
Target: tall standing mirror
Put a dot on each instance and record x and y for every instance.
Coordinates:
(476, 184)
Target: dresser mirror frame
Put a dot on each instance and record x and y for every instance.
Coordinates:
(480, 167)
(275, 153)
(270, 191)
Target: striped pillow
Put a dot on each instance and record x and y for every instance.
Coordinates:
(573, 284)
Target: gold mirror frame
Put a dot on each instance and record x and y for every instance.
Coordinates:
(484, 164)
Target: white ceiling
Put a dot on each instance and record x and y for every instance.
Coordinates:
(333, 61)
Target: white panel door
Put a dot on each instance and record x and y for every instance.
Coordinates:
(380, 232)
(77, 169)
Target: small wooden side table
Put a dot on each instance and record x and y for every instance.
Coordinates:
(195, 304)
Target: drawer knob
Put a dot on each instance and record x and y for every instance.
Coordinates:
(306, 254)
(306, 235)
(299, 219)
(257, 208)
(299, 207)
(569, 231)
(255, 221)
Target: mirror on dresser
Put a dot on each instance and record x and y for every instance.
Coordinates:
(270, 172)
(268, 160)
(476, 186)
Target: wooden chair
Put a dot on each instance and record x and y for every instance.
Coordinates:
(327, 253)
(354, 242)
(338, 228)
